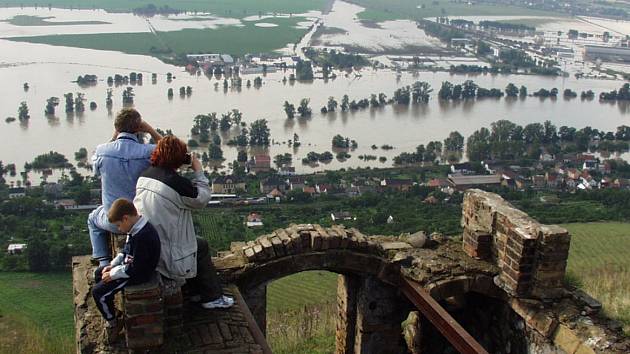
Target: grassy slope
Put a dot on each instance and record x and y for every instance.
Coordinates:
(599, 261)
(40, 306)
(225, 39)
(378, 10)
(231, 8)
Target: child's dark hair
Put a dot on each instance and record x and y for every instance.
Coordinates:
(120, 208)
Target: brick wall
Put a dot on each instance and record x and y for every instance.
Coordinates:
(532, 257)
(144, 315)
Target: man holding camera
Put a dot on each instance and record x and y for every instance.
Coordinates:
(119, 163)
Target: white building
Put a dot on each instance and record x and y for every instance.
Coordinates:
(16, 248)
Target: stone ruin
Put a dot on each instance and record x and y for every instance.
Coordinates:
(504, 287)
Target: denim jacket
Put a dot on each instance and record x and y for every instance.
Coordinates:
(119, 163)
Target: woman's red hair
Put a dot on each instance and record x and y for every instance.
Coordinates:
(169, 153)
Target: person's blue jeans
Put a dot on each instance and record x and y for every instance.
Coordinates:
(99, 227)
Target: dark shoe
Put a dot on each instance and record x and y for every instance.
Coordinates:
(112, 333)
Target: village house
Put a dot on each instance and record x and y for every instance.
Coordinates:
(275, 194)
(17, 192)
(228, 185)
(341, 216)
(287, 171)
(16, 248)
(53, 189)
(309, 190)
(65, 204)
(538, 182)
(605, 167)
(430, 200)
(296, 182)
(571, 183)
(323, 188)
(438, 183)
(211, 60)
(621, 183)
(573, 173)
(254, 220)
(547, 157)
(259, 163)
(461, 183)
(553, 180)
(401, 185)
(464, 168)
(270, 183)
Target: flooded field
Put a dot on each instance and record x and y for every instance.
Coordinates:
(347, 31)
(50, 72)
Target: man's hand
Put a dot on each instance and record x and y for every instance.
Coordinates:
(145, 127)
(195, 165)
(106, 269)
(106, 277)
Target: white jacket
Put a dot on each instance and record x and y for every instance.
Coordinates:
(170, 212)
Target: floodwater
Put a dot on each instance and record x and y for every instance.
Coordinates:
(388, 35)
(50, 71)
(404, 128)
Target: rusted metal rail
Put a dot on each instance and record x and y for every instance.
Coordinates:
(441, 319)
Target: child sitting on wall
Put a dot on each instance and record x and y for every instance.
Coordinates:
(136, 264)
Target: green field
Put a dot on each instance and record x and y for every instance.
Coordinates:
(25, 20)
(379, 10)
(225, 39)
(599, 261)
(532, 22)
(302, 289)
(301, 313)
(40, 306)
(230, 8)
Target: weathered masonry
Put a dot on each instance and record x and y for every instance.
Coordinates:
(502, 292)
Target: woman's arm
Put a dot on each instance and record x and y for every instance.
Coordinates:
(200, 183)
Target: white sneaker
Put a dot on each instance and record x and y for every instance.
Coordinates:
(223, 302)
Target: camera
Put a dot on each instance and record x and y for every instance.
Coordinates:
(188, 159)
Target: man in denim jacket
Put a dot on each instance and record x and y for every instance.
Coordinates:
(119, 163)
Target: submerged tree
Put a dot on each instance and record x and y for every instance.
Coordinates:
(69, 102)
(289, 109)
(345, 103)
(51, 103)
(109, 101)
(304, 110)
(23, 114)
(127, 95)
(421, 91)
(332, 104)
(79, 105)
(259, 133)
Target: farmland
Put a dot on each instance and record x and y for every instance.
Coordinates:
(377, 10)
(226, 39)
(229, 8)
(39, 306)
(600, 265)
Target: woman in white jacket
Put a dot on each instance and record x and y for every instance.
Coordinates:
(167, 200)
